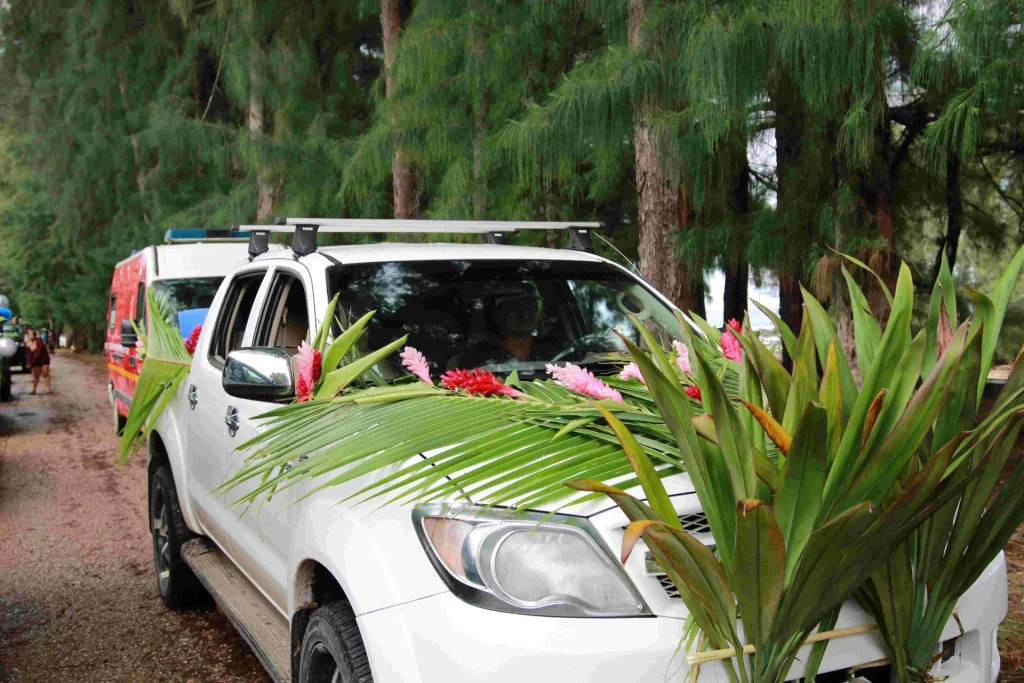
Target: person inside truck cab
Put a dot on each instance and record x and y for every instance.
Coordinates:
(512, 316)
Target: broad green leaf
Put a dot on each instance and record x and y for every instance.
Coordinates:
(943, 291)
(338, 379)
(340, 346)
(885, 463)
(831, 398)
(774, 378)
(788, 338)
(798, 499)
(866, 330)
(734, 443)
(824, 335)
(804, 388)
(891, 349)
(709, 476)
(881, 282)
(651, 482)
(828, 552)
(320, 341)
(760, 556)
(690, 562)
(1000, 298)
(776, 432)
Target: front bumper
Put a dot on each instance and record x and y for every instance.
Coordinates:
(443, 639)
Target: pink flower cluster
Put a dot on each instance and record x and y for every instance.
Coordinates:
(582, 381)
(310, 364)
(416, 363)
(683, 359)
(731, 348)
(632, 371)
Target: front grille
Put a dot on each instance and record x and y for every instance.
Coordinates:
(697, 523)
(666, 583)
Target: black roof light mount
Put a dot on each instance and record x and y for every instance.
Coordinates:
(305, 230)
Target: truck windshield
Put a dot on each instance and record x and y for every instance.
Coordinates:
(500, 315)
(186, 293)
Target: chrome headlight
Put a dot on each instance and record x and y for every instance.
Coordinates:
(528, 563)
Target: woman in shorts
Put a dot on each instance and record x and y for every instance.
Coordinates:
(38, 358)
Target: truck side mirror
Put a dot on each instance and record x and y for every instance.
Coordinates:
(128, 336)
(259, 373)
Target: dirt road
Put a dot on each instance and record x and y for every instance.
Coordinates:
(78, 599)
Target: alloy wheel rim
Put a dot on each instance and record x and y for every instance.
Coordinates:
(161, 540)
(323, 667)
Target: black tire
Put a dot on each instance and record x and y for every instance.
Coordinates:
(332, 649)
(119, 421)
(177, 585)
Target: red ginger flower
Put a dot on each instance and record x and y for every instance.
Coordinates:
(731, 348)
(693, 392)
(193, 339)
(310, 363)
(477, 381)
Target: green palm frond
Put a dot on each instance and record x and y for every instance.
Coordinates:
(166, 366)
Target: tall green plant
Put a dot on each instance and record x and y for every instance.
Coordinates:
(913, 595)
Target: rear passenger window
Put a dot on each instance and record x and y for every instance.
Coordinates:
(140, 307)
(112, 315)
(284, 322)
(234, 315)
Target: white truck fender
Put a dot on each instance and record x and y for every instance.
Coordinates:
(174, 436)
(374, 555)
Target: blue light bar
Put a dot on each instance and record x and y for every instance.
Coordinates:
(186, 235)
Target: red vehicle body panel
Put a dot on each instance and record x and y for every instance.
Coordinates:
(123, 363)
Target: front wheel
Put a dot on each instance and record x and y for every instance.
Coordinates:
(178, 586)
(332, 649)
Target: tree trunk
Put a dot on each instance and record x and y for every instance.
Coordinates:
(954, 215)
(662, 206)
(402, 178)
(266, 190)
(789, 143)
(735, 265)
(140, 172)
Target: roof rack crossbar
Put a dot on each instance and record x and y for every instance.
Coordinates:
(306, 229)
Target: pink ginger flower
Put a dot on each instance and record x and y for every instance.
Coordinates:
(416, 363)
(582, 381)
(683, 359)
(310, 364)
(731, 348)
(632, 371)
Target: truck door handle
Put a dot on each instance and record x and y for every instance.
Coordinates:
(231, 420)
(193, 396)
(131, 362)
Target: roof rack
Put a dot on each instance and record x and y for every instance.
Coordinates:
(191, 235)
(305, 230)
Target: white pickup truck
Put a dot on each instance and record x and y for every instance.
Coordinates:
(329, 592)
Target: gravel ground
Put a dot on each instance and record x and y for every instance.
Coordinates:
(78, 599)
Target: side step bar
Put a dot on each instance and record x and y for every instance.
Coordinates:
(261, 625)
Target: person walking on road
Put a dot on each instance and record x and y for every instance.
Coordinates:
(38, 358)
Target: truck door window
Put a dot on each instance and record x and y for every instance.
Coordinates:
(112, 316)
(284, 322)
(140, 307)
(234, 314)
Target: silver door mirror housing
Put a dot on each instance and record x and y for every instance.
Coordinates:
(259, 373)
